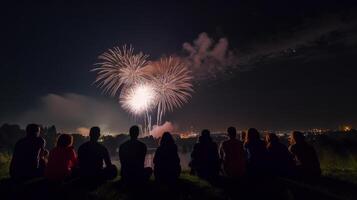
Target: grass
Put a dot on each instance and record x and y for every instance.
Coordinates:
(348, 175)
(5, 159)
(188, 187)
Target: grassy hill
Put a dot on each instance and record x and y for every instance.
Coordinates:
(188, 187)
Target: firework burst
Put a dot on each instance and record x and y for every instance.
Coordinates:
(119, 69)
(172, 81)
(139, 99)
(142, 86)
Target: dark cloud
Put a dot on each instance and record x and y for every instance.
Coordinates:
(215, 58)
(313, 34)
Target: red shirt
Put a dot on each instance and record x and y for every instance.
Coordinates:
(60, 163)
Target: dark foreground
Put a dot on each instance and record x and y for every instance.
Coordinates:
(188, 187)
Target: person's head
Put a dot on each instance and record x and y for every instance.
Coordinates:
(297, 138)
(94, 133)
(64, 140)
(271, 138)
(33, 130)
(134, 132)
(232, 132)
(205, 136)
(166, 139)
(252, 135)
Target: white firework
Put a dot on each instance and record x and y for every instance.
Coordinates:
(139, 99)
(119, 69)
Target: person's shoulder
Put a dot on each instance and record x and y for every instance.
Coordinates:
(21, 141)
(225, 142)
(124, 144)
(84, 144)
(102, 147)
(197, 145)
(292, 147)
(70, 149)
(142, 144)
(41, 140)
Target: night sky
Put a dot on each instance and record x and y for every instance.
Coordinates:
(295, 62)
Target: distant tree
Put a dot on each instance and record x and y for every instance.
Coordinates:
(78, 140)
(9, 135)
(50, 134)
(111, 143)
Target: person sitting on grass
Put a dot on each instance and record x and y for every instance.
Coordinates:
(280, 161)
(62, 159)
(42, 165)
(305, 157)
(25, 159)
(91, 156)
(233, 156)
(256, 153)
(132, 157)
(205, 160)
(167, 167)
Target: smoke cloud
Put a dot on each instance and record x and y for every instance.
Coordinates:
(207, 57)
(83, 131)
(77, 113)
(157, 131)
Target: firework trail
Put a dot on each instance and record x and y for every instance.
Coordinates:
(172, 80)
(119, 69)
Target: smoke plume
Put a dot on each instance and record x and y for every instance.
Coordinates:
(157, 131)
(207, 57)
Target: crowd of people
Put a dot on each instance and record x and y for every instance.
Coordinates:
(234, 158)
(254, 157)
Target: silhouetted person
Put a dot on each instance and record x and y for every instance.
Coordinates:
(205, 159)
(132, 157)
(256, 153)
(280, 161)
(62, 159)
(243, 135)
(43, 161)
(233, 156)
(166, 160)
(305, 156)
(91, 156)
(26, 156)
